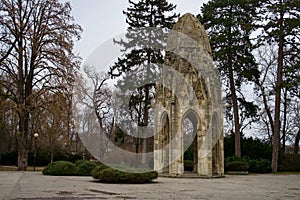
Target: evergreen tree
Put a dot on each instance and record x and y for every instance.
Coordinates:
(141, 15)
(229, 25)
(142, 53)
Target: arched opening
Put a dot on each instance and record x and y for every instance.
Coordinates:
(189, 129)
(164, 142)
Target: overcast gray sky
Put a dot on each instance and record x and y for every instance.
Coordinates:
(103, 19)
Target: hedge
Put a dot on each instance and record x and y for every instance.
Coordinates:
(84, 167)
(60, 168)
(109, 175)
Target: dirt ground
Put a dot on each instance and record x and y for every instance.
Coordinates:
(34, 185)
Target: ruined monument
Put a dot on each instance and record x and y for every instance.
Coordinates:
(191, 90)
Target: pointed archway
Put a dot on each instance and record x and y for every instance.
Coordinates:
(190, 125)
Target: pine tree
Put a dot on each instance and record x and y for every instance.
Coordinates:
(229, 25)
(141, 15)
(148, 21)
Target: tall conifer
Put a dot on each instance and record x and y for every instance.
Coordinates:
(142, 53)
(229, 25)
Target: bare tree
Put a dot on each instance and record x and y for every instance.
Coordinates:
(8, 125)
(98, 96)
(97, 102)
(37, 39)
(266, 90)
(51, 120)
(267, 59)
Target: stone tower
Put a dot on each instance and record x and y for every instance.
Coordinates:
(190, 92)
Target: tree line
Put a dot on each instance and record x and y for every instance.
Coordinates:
(257, 42)
(255, 47)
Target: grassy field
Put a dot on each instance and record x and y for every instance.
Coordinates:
(14, 168)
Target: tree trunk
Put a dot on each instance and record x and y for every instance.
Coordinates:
(51, 156)
(22, 138)
(137, 146)
(276, 136)
(284, 120)
(296, 147)
(22, 135)
(51, 150)
(267, 108)
(234, 97)
(235, 110)
(22, 154)
(146, 121)
(236, 117)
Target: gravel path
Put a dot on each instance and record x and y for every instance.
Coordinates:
(34, 185)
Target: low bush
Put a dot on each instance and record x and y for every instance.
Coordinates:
(235, 163)
(95, 172)
(84, 167)
(60, 168)
(9, 158)
(188, 165)
(254, 165)
(62, 155)
(260, 166)
(289, 163)
(237, 166)
(233, 159)
(110, 175)
(253, 148)
(42, 158)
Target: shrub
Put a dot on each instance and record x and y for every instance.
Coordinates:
(289, 163)
(188, 165)
(110, 175)
(95, 172)
(233, 159)
(9, 158)
(237, 166)
(60, 168)
(235, 163)
(255, 165)
(62, 155)
(252, 148)
(84, 167)
(260, 166)
(42, 158)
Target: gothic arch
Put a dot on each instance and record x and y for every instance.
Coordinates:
(190, 138)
